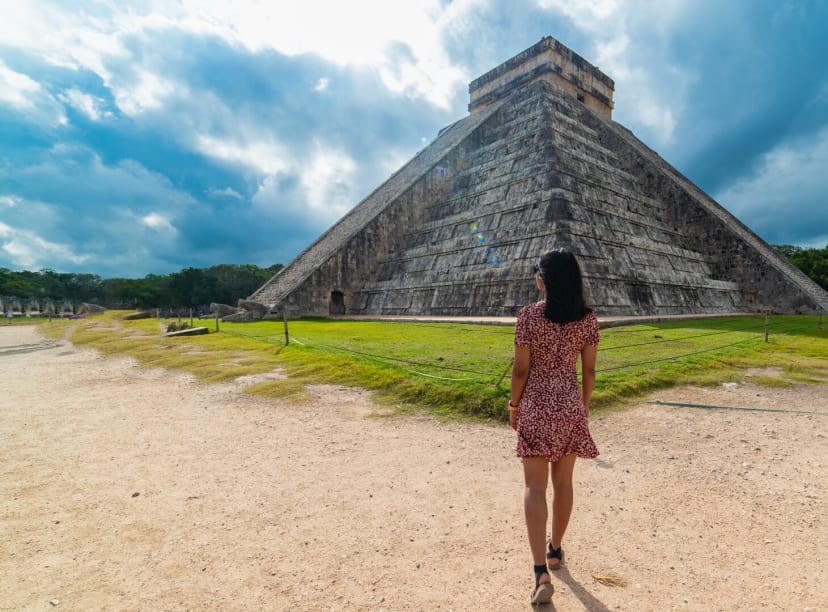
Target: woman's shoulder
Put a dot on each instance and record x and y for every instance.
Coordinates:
(590, 319)
(532, 310)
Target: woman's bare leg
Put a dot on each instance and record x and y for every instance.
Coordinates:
(536, 476)
(562, 501)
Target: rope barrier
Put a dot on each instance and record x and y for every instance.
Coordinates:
(438, 377)
(388, 359)
(632, 365)
(663, 340)
(677, 322)
(404, 361)
(460, 329)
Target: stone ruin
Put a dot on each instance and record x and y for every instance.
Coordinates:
(87, 308)
(245, 311)
(33, 307)
(14, 306)
(538, 163)
(49, 307)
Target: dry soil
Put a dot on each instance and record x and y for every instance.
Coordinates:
(124, 488)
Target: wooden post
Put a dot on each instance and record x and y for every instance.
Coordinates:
(217, 327)
(284, 318)
(820, 320)
(767, 319)
(191, 318)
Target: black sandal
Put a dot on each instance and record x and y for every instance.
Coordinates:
(543, 592)
(554, 553)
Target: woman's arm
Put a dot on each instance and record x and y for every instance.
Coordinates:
(520, 374)
(589, 355)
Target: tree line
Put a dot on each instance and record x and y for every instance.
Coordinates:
(190, 288)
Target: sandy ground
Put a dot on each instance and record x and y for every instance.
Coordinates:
(123, 488)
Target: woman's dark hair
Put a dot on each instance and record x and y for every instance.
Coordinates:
(561, 276)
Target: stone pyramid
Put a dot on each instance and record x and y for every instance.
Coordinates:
(538, 163)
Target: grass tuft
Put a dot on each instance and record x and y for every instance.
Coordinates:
(771, 381)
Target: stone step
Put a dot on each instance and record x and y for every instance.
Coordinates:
(500, 223)
(482, 274)
(495, 295)
(576, 127)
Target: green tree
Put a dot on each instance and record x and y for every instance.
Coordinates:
(189, 288)
(813, 262)
(788, 250)
(14, 284)
(234, 282)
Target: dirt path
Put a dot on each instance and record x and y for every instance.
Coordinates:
(123, 488)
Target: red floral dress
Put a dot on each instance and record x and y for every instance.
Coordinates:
(552, 421)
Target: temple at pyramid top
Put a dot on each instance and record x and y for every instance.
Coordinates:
(548, 60)
(538, 163)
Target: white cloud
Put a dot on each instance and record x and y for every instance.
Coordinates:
(95, 212)
(766, 196)
(586, 14)
(159, 222)
(17, 89)
(227, 192)
(325, 187)
(321, 84)
(265, 156)
(9, 200)
(29, 251)
(143, 92)
(357, 33)
(89, 105)
(29, 97)
(327, 180)
(63, 36)
(347, 33)
(88, 38)
(642, 99)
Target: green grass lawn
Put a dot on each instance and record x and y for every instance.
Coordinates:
(453, 369)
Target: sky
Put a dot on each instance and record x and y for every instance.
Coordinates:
(146, 137)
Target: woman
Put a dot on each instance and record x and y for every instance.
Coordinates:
(548, 410)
